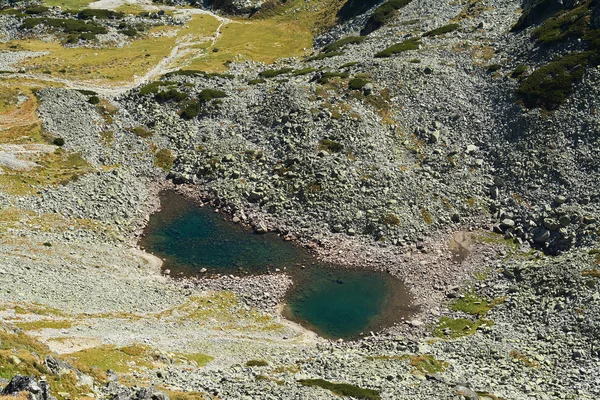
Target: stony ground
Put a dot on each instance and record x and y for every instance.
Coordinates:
(410, 173)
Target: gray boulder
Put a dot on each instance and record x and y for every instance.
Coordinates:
(40, 390)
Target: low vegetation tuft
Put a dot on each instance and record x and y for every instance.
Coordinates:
(357, 83)
(343, 389)
(338, 44)
(410, 44)
(442, 30)
(383, 14)
(272, 73)
(550, 85)
(257, 363)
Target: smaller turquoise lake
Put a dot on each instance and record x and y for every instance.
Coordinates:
(334, 302)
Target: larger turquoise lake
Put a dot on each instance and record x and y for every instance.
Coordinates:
(332, 301)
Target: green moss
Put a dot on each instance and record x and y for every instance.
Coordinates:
(256, 81)
(141, 132)
(154, 87)
(191, 111)
(390, 219)
(65, 25)
(357, 83)
(475, 305)
(89, 13)
(330, 145)
(427, 364)
(326, 76)
(564, 25)
(164, 159)
(442, 30)
(272, 73)
(257, 363)
(493, 68)
(410, 44)
(343, 389)
(323, 56)
(170, 95)
(343, 42)
(518, 71)
(523, 359)
(383, 14)
(550, 85)
(210, 94)
(304, 71)
(458, 327)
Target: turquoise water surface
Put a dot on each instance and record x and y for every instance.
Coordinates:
(334, 302)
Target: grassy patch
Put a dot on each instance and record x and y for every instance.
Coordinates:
(407, 45)
(518, 71)
(304, 71)
(222, 308)
(594, 273)
(121, 360)
(199, 358)
(523, 359)
(383, 14)
(44, 324)
(326, 76)
(141, 132)
(257, 363)
(21, 341)
(427, 364)
(272, 73)
(458, 327)
(210, 94)
(100, 66)
(164, 159)
(442, 30)
(154, 87)
(550, 85)
(68, 4)
(330, 145)
(343, 389)
(357, 83)
(258, 40)
(338, 44)
(564, 25)
(475, 305)
(323, 56)
(57, 168)
(178, 395)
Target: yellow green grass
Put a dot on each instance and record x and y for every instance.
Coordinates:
(121, 360)
(458, 327)
(68, 4)
(475, 305)
(54, 168)
(19, 123)
(44, 324)
(116, 65)
(260, 40)
(303, 14)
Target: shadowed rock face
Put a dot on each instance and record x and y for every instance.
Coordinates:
(354, 8)
(537, 11)
(39, 389)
